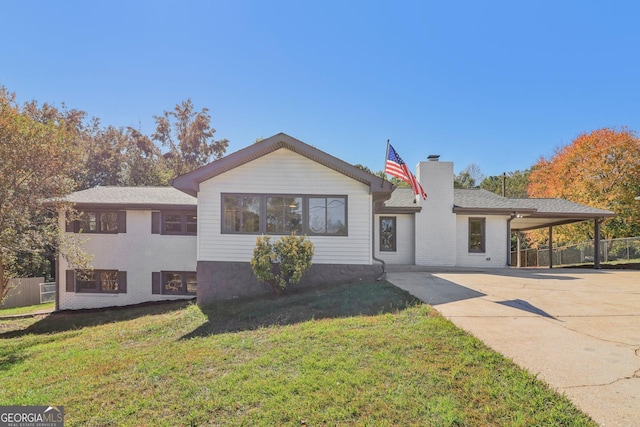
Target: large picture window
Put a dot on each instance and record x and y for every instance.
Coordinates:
(241, 214)
(284, 214)
(388, 233)
(476, 235)
(327, 215)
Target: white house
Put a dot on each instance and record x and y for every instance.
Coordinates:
(143, 242)
(197, 237)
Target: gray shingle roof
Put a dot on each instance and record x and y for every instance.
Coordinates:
(544, 206)
(529, 214)
(402, 200)
(132, 196)
(483, 200)
(479, 198)
(401, 197)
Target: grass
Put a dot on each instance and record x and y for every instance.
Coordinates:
(27, 310)
(360, 354)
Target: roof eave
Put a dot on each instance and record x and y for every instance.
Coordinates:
(491, 211)
(576, 215)
(388, 210)
(189, 187)
(552, 224)
(135, 206)
(189, 183)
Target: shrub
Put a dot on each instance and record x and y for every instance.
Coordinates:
(281, 263)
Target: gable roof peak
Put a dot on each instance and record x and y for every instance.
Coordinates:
(190, 182)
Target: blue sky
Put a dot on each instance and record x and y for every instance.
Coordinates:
(495, 83)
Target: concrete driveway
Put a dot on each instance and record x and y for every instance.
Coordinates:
(577, 329)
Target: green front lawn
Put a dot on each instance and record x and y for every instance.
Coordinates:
(27, 310)
(361, 354)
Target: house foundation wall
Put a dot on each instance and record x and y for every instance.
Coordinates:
(221, 280)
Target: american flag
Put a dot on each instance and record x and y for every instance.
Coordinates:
(394, 166)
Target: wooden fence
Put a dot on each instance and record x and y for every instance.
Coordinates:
(24, 292)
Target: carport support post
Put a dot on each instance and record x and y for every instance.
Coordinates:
(550, 247)
(509, 240)
(596, 244)
(518, 243)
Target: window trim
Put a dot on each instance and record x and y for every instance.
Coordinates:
(183, 223)
(483, 235)
(283, 196)
(121, 277)
(121, 222)
(163, 275)
(306, 227)
(394, 246)
(262, 213)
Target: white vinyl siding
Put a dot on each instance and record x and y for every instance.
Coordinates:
(284, 172)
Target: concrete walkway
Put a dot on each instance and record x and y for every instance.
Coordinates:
(577, 329)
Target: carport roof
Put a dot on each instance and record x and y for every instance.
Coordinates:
(529, 213)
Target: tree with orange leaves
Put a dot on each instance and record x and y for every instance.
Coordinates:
(599, 169)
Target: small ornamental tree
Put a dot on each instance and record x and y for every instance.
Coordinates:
(283, 262)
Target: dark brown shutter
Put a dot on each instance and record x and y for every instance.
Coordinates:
(155, 222)
(71, 281)
(122, 221)
(122, 282)
(71, 227)
(156, 282)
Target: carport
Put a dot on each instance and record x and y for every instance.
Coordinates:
(530, 214)
(533, 214)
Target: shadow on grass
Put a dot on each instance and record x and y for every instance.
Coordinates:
(297, 305)
(301, 305)
(10, 359)
(70, 320)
